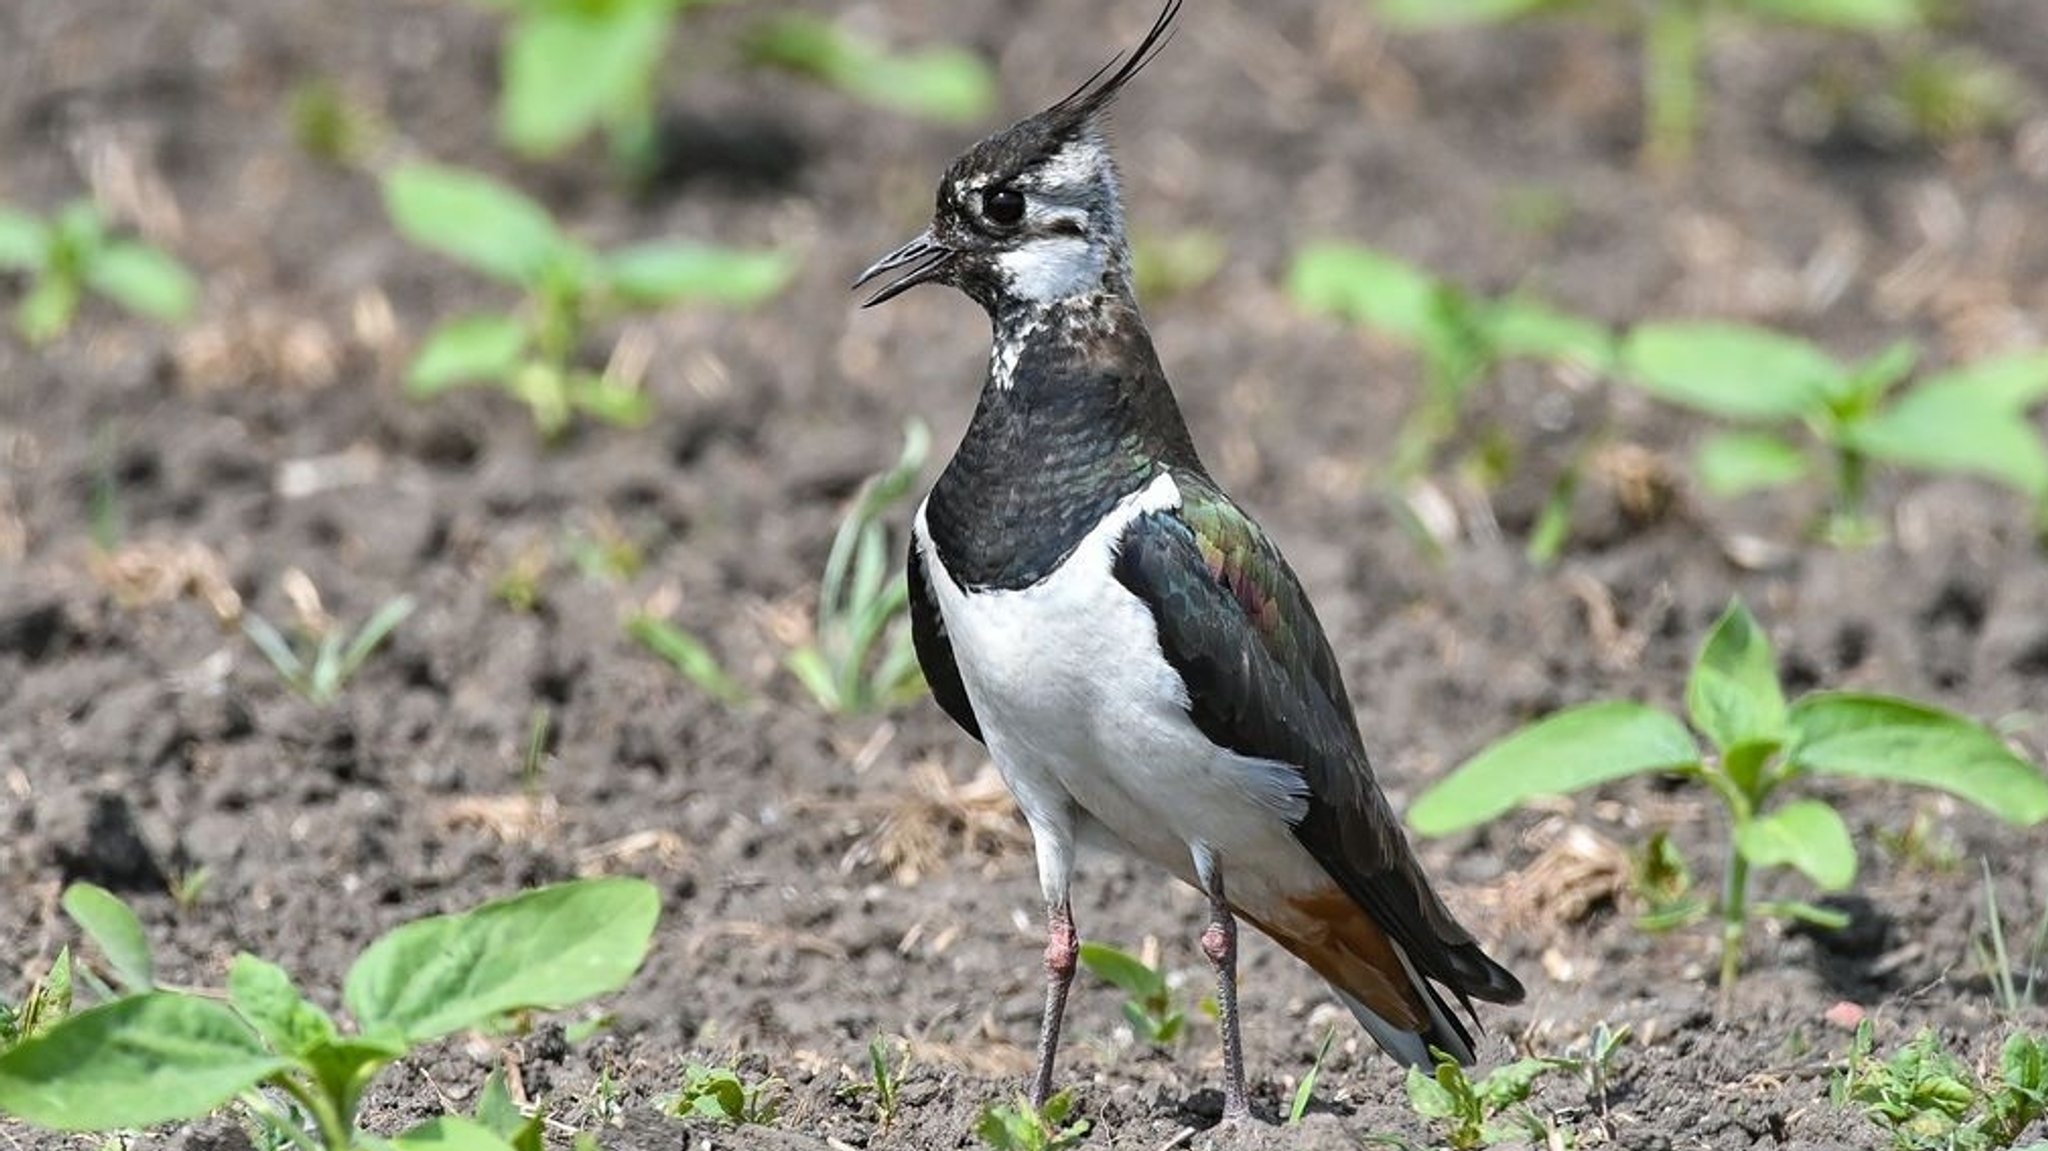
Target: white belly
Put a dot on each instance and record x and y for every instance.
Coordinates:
(1083, 715)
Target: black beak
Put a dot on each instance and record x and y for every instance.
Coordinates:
(924, 256)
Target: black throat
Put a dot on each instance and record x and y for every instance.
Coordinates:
(1075, 416)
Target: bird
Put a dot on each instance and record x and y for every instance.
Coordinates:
(1143, 667)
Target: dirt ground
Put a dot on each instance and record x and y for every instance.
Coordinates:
(829, 880)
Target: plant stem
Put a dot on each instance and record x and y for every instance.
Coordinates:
(1734, 920)
(1672, 44)
(334, 1130)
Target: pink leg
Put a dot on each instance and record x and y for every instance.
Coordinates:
(1062, 945)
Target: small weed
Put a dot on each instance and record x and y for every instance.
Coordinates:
(1021, 1127)
(189, 885)
(1998, 963)
(1305, 1091)
(1931, 1101)
(719, 1093)
(46, 1004)
(330, 126)
(326, 656)
(522, 585)
(860, 659)
(687, 654)
(1763, 744)
(162, 1056)
(942, 83)
(884, 1081)
(1148, 1007)
(70, 254)
(1596, 1060)
(534, 353)
(1473, 1113)
(1923, 844)
(1968, 421)
(1659, 876)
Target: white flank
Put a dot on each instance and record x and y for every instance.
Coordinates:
(1088, 724)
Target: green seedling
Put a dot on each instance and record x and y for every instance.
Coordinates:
(1148, 1007)
(1166, 266)
(860, 659)
(1967, 421)
(2013, 996)
(687, 654)
(46, 1003)
(189, 885)
(1674, 36)
(1660, 877)
(1021, 1127)
(720, 1094)
(70, 254)
(1923, 844)
(1595, 1062)
(572, 67)
(1929, 1100)
(330, 125)
(150, 1055)
(535, 351)
(884, 1083)
(942, 83)
(1462, 338)
(1305, 1091)
(326, 657)
(1473, 1113)
(1763, 747)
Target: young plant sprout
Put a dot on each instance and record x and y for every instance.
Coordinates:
(71, 254)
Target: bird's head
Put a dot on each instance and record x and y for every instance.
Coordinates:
(1032, 214)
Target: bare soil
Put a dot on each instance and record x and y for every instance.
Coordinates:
(827, 880)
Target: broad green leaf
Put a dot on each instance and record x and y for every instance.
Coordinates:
(2018, 381)
(473, 219)
(1428, 1098)
(661, 272)
(1411, 15)
(1359, 284)
(1864, 15)
(1806, 834)
(467, 350)
(1731, 464)
(24, 241)
(144, 281)
(113, 928)
(1879, 737)
(1566, 752)
(1520, 326)
(1505, 1086)
(265, 996)
(451, 1133)
(1728, 370)
(1944, 430)
(134, 1062)
(1125, 972)
(1733, 694)
(570, 66)
(546, 948)
(941, 83)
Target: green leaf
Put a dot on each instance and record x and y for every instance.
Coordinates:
(1505, 1086)
(1945, 430)
(46, 311)
(1861, 15)
(1411, 15)
(134, 1062)
(24, 241)
(1879, 737)
(1733, 695)
(546, 948)
(1358, 284)
(1569, 751)
(265, 996)
(143, 280)
(941, 83)
(569, 67)
(1520, 326)
(1126, 972)
(687, 654)
(1806, 834)
(661, 272)
(1728, 370)
(2018, 381)
(1428, 1098)
(1731, 464)
(1826, 918)
(113, 928)
(618, 404)
(473, 219)
(451, 1133)
(469, 349)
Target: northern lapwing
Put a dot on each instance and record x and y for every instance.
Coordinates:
(1142, 664)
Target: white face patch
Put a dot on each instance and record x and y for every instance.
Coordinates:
(1052, 268)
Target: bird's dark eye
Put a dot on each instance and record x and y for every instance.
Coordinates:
(1003, 206)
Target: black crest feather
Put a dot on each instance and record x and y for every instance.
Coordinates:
(1096, 92)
